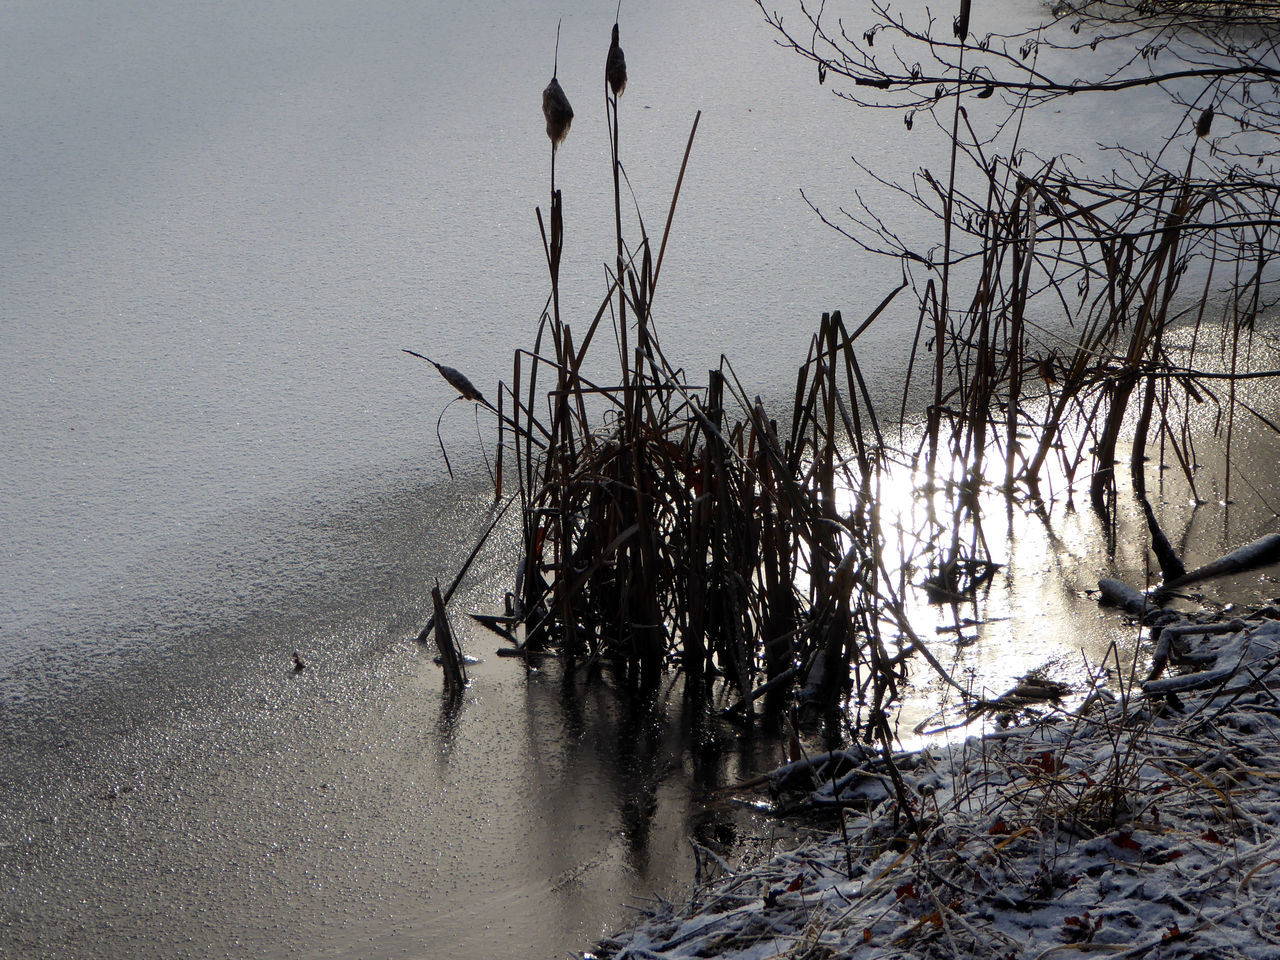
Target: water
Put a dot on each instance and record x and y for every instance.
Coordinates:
(222, 223)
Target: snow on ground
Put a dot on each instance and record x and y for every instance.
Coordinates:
(1143, 826)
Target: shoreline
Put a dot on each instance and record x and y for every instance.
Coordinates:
(1146, 824)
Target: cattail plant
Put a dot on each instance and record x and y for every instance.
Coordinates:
(615, 78)
(559, 114)
(456, 379)
(961, 24)
(615, 64)
(678, 532)
(556, 110)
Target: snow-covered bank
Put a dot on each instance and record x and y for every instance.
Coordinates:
(1146, 825)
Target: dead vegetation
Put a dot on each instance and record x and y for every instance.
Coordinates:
(1126, 828)
(667, 525)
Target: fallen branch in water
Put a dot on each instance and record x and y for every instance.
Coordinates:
(1259, 553)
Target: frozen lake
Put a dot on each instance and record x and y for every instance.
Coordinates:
(222, 224)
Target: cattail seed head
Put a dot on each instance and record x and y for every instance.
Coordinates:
(1204, 123)
(455, 378)
(615, 66)
(555, 107)
(960, 26)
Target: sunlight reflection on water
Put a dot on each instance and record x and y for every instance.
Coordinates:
(1038, 616)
